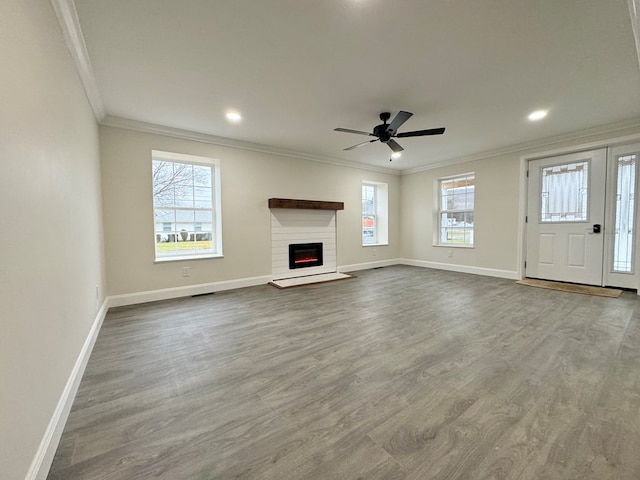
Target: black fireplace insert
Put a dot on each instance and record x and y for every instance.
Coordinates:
(303, 255)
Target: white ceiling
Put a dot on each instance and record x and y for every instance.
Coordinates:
(296, 69)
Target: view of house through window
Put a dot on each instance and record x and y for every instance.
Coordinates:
(368, 214)
(456, 206)
(374, 213)
(185, 206)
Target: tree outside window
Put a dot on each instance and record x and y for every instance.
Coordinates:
(186, 205)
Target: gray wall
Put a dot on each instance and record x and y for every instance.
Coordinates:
(498, 205)
(249, 179)
(50, 214)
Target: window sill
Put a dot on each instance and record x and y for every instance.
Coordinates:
(452, 245)
(186, 257)
(375, 244)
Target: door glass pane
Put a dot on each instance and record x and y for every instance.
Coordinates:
(564, 193)
(625, 205)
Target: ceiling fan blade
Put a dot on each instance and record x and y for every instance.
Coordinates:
(395, 146)
(420, 133)
(400, 118)
(363, 143)
(348, 130)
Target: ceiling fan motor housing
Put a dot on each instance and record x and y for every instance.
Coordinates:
(382, 132)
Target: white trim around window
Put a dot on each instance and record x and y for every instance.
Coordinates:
(455, 211)
(187, 215)
(375, 213)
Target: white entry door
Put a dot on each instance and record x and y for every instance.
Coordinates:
(565, 218)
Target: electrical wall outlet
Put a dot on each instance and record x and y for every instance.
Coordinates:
(186, 272)
(450, 254)
(375, 252)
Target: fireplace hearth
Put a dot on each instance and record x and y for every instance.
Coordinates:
(304, 255)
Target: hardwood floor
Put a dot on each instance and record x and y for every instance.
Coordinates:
(401, 373)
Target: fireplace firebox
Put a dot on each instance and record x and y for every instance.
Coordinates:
(303, 255)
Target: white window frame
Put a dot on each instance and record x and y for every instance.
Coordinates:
(611, 277)
(381, 213)
(437, 236)
(216, 209)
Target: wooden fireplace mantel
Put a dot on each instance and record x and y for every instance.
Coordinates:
(305, 204)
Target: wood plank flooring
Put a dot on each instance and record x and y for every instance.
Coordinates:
(401, 373)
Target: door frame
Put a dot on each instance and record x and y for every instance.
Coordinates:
(607, 143)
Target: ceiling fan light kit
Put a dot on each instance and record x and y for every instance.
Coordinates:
(386, 132)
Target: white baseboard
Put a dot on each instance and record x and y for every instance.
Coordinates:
(489, 272)
(203, 288)
(186, 291)
(44, 456)
(368, 265)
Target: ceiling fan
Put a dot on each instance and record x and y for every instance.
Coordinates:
(386, 132)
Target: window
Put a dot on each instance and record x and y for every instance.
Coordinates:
(374, 213)
(455, 211)
(368, 214)
(625, 213)
(186, 206)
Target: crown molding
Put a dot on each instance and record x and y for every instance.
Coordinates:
(67, 16)
(70, 24)
(521, 148)
(138, 126)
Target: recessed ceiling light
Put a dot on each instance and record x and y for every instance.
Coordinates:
(537, 115)
(396, 155)
(234, 117)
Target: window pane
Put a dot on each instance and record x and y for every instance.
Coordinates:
(453, 227)
(185, 215)
(457, 201)
(166, 244)
(185, 222)
(164, 215)
(564, 193)
(468, 219)
(184, 196)
(203, 243)
(205, 227)
(202, 197)
(164, 227)
(202, 176)
(183, 174)
(165, 197)
(368, 199)
(369, 225)
(368, 229)
(204, 216)
(447, 198)
(625, 205)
